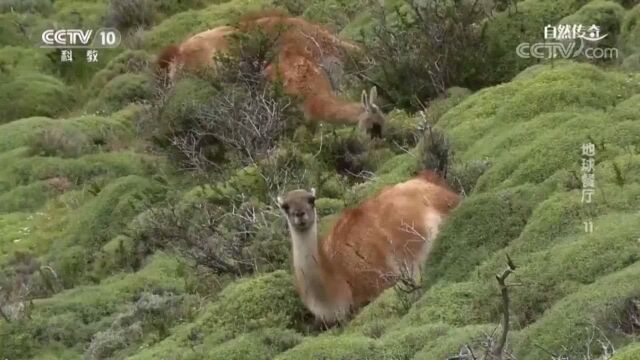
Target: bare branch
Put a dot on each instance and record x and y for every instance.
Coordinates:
(497, 350)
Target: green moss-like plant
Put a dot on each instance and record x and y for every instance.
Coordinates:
(122, 90)
(472, 232)
(328, 347)
(630, 34)
(444, 347)
(629, 352)
(263, 344)
(567, 326)
(328, 206)
(40, 95)
(16, 59)
(607, 15)
(268, 300)
(509, 28)
(405, 341)
(26, 198)
(177, 27)
(450, 304)
(20, 133)
(129, 61)
(376, 318)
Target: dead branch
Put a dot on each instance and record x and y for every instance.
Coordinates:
(498, 349)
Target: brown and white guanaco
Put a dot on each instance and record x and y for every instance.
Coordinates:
(368, 248)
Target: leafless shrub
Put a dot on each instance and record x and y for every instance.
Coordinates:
(59, 183)
(249, 124)
(134, 38)
(629, 322)
(236, 239)
(596, 346)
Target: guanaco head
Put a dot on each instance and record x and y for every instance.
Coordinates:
(372, 119)
(299, 208)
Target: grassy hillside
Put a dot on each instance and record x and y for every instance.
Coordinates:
(114, 244)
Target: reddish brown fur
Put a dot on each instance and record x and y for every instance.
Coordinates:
(366, 248)
(168, 55)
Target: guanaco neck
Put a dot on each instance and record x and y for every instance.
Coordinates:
(329, 108)
(309, 265)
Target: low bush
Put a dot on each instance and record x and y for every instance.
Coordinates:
(40, 95)
(128, 14)
(243, 237)
(420, 52)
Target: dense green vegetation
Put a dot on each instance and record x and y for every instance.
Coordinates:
(116, 243)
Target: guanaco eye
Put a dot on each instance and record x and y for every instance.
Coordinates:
(285, 207)
(312, 200)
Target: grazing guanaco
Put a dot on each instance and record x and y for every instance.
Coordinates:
(300, 48)
(369, 248)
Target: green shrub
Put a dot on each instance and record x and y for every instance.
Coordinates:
(78, 13)
(629, 36)
(78, 170)
(632, 62)
(26, 197)
(122, 90)
(471, 235)
(264, 301)
(329, 347)
(451, 303)
(177, 27)
(629, 352)
(335, 13)
(106, 215)
(262, 344)
(510, 28)
(16, 134)
(605, 14)
(129, 61)
(327, 206)
(449, 345)
(405, 342)
(411, 68)
(32, 6)
(15, 59)
(378, 317)
(71, 317)
(17, 29)
(41, 95)
(128, 14)
(566, 327)
(77, 136)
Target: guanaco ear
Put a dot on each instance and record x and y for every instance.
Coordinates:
(312, 198)
(373, 95)
(280, 201)
(364, 100)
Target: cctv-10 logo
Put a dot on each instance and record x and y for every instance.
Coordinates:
(76, 38)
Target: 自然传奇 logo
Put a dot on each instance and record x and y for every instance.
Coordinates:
(568, 41)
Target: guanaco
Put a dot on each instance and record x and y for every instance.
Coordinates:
(300, 47)
(369, 247)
